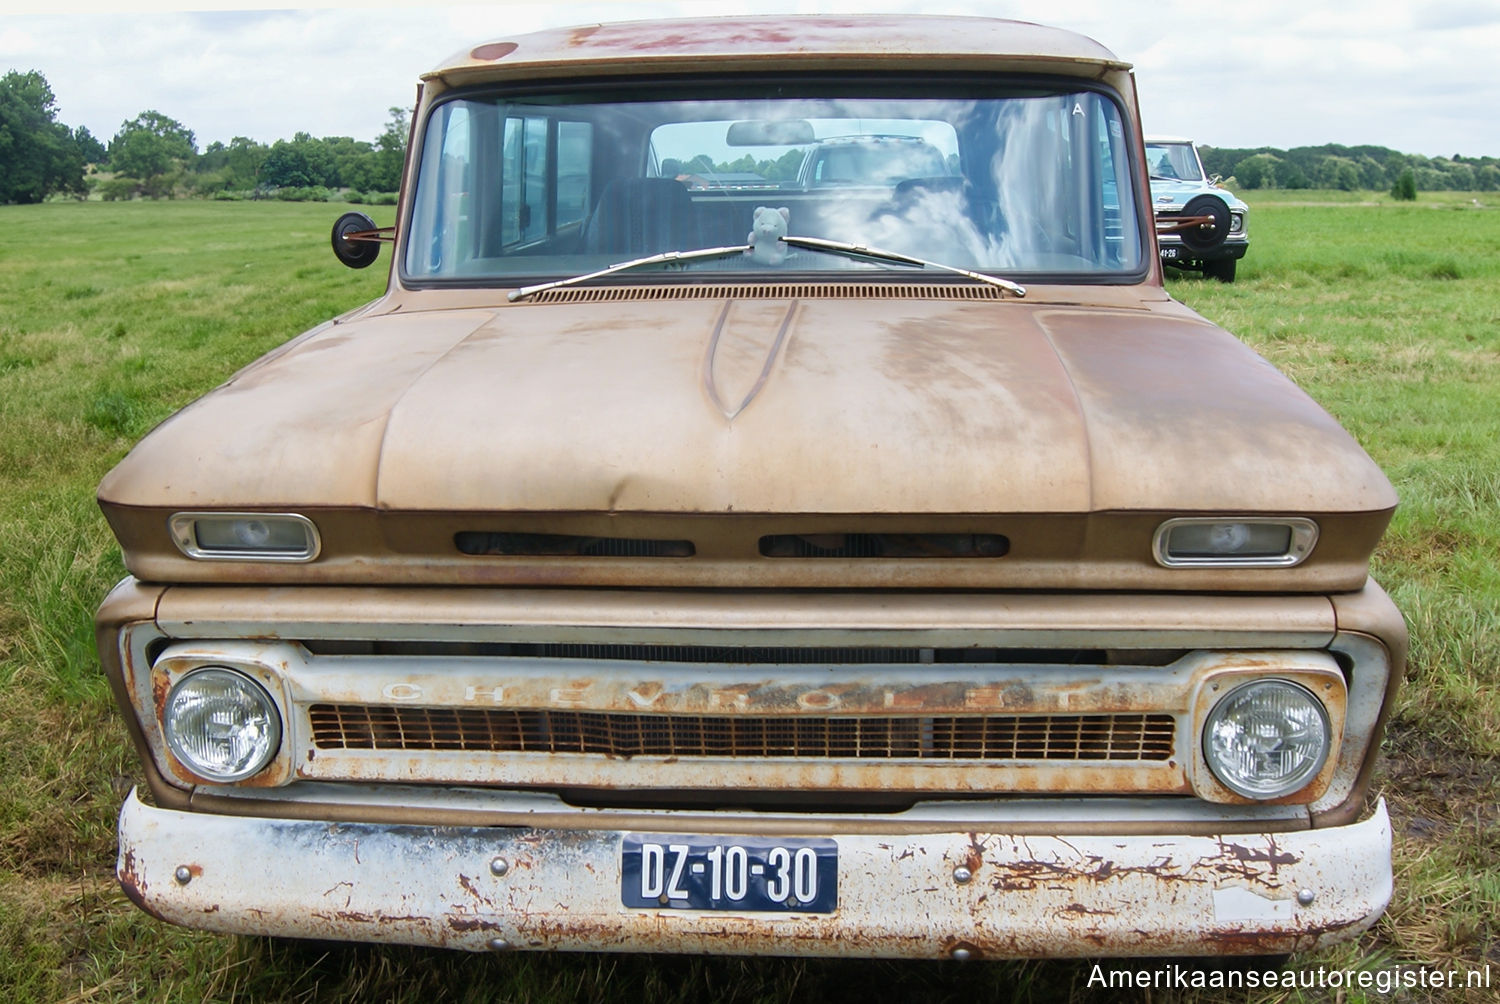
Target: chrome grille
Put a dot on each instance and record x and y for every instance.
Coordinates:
(1126, 737)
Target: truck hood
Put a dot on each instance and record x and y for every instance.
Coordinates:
(1168, 194)
(759, 406)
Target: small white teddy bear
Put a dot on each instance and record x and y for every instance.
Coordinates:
(766, 230)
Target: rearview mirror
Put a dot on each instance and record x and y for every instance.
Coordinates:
(785, 132)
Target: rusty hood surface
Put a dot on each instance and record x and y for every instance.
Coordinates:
(759, 406)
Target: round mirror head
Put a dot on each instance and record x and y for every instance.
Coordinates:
(356, 253)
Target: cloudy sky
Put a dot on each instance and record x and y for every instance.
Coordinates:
(1416, 76)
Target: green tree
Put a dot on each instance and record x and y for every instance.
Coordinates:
(1340, 173)
(390, 152)
(152, 148)
(1405, 187)
(1257, 171)
(38, 154)
(353, 162)
(287, 166)
(90, 149)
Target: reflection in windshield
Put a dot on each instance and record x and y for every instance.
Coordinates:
(539, 187)
(1174, 161)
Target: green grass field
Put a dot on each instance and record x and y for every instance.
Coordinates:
(114, 315)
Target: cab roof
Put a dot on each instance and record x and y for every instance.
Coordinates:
(741, 43)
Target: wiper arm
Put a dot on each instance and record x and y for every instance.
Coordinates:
(810, 243)
(861, 251)
(625, 266)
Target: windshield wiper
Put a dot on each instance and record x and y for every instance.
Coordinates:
(625, 266)
(878, 254)
(810, 243)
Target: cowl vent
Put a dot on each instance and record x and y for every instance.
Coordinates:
(771, 291)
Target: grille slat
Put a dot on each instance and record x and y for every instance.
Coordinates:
(970, 737)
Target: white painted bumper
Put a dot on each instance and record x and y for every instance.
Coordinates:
(1067, 896)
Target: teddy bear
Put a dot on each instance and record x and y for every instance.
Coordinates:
(767, 228)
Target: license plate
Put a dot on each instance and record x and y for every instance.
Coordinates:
(757, 874)
(1169, 252)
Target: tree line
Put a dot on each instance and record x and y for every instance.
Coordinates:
(1350, 168)
(155, 156)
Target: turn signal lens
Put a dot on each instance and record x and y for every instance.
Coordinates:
(245, 536)
(1222, 543)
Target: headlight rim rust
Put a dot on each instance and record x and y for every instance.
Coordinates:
(260, 762)
(1306, 779)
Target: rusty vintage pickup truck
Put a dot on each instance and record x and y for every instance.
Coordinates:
(912, 577)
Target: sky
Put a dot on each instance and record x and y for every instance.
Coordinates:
(1419, 77)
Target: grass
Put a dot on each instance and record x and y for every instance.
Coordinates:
(116, 314)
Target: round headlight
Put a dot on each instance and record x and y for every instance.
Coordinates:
(1267, 738)
(221, 724)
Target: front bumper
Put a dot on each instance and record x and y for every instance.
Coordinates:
(1175, 252)
(898, 895)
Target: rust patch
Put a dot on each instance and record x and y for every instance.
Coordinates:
(159, 689)
(356, 917)
(473, 890)
(1078, 909)
(975, 858)
(1257, 942)
(1270, 856)
(464, 925)
(493, 51)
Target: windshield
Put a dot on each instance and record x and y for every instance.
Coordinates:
(515, 188)
(1173, 160)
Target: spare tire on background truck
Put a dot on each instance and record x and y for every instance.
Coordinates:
(1206, 238)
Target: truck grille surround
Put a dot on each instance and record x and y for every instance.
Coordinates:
(630, 716)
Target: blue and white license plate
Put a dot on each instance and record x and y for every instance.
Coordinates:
(1169, 253)
(759, 874)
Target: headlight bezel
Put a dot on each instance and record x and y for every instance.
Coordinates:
(1302, 538)
(1328, 688)
(182, 527)
(1299, 778)
(275, 716)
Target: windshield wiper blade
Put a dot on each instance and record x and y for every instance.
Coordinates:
(878, 254)
(625, 266)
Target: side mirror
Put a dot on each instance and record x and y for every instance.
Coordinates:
(357, 240)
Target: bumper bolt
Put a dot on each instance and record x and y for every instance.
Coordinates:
(498, 945)
(499, 867)
(961, 955)
(183, 875)
(962, 876)
(1306, 897)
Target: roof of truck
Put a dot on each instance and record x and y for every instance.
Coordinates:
(740, 43)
